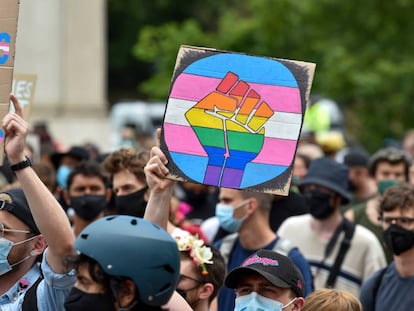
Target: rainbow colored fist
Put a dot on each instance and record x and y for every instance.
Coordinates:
(229, 123)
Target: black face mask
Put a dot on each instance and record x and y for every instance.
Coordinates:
(318, 203)
(183, 293)
(351, 186)
(81, 301)
(398, 239)
(88, 206)
(132, 204)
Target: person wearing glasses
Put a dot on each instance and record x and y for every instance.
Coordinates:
(32, 223)
(392, 287)
(202, 272)
(388, 166)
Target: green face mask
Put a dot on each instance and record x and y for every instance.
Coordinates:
(385, 184)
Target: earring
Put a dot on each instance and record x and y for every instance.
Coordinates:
(33, 253)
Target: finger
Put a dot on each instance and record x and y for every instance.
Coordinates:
(156, 152)
(158, 132)
(155, 166)
(16, 105)
(13, 122)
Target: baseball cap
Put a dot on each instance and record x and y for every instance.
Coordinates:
(19, 208)
(274, 267)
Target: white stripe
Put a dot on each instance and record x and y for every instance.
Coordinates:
(4, 48)
(283, 125)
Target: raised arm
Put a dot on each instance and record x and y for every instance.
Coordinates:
(47, 213)
(161, 189)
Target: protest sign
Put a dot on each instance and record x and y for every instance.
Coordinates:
(9, 11)
(233, 120)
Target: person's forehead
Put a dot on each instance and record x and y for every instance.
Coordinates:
(400, 212)
(83, 180)
(126, 177)
(230, 194)
(187, 266)
(385, 165)
(11, 221)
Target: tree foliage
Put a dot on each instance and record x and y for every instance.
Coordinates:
(363, 50)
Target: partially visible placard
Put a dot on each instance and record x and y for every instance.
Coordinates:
(9, 11)
(24, 85)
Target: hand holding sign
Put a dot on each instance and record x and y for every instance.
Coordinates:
(229, 124)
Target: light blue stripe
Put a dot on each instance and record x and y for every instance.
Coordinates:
(249, 69)
(192, 166)
(257, 173)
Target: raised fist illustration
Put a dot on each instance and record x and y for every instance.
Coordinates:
(229, 123)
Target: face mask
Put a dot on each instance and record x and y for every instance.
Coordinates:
(81, 301)
(183, 293)
(383, 185)
(351, 186)
(256, 302)
(5, 248)
(88, 207)
(224, 213)
(398, 239)
(62, 176)
(318, 203)
(131, 204)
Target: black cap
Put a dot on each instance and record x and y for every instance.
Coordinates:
(274, 267)
(77, 152)
(19, 208)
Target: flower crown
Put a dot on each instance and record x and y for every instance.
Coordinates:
(195, 247)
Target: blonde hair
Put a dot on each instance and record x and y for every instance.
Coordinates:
(331, 300)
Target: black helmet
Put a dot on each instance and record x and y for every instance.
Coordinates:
(132, 247)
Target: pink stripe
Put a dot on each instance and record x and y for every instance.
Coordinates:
(277, 151)
(279, 98)
(182, 139)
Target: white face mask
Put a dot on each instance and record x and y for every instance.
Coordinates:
(5, 248)
(256, 302)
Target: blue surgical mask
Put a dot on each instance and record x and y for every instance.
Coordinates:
(5, 248)
(62, 175)
(225, 215)
(256, 302)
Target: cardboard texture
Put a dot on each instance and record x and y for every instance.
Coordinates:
(23, 87)
(233, 120)
(9, 11)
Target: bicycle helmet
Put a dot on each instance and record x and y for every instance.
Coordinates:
(126, 246)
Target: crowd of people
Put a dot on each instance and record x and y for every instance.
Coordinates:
(84, 230)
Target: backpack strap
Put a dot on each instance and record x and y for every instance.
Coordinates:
(30, 297)
(227, 245)
(283, 246)
(349, 229)
(377, 284)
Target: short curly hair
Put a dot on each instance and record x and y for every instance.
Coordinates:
(397, 197)
(127, 159)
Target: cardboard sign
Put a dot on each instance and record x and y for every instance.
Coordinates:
(9, 11)
(23, 87)
(233, 120)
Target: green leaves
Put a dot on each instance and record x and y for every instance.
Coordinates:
(363, 50)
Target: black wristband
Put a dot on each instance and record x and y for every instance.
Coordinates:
(21, 165)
